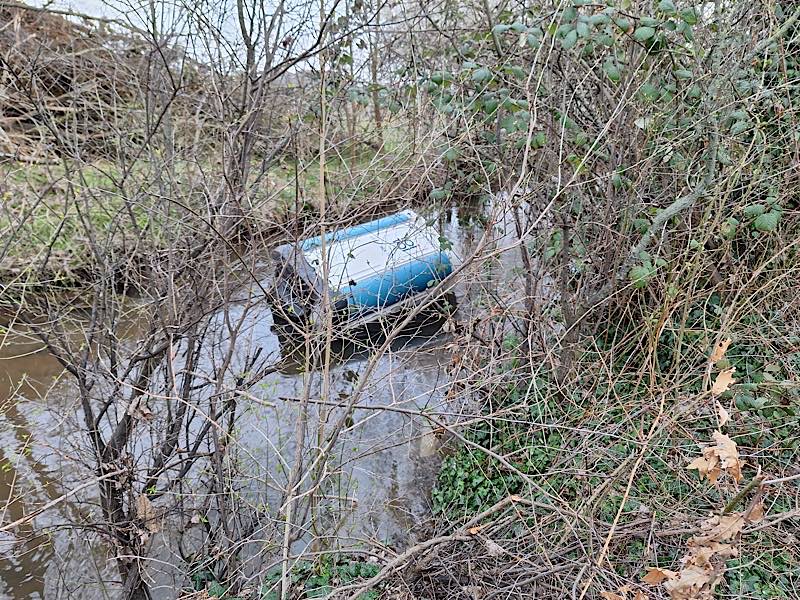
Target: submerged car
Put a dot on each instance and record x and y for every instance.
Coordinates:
(373, 270)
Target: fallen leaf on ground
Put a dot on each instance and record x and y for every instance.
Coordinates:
(728, 455)
(475, 530)
(689, 583)
(723, 381)
(493, 548)
(721, 529)
(719, 350)
(655, 576)
(723, 456)
(611, 596)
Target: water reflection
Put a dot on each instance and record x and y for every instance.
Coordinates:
(383, 465)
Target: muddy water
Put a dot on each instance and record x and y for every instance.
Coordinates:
(386, 459)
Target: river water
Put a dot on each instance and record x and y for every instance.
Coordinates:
(387, 460)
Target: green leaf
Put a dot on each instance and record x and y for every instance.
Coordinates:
(649, 22)
(440, 77)
(623, 23)
(500, 28)
(728, 228)
(438, 194)
(667, 6)
(481, 75)
(689, 16)
(643, 33)
(754, 210)
(451, 154)
(599, 19)
(582, 28)
(641, 225)
(539, 139)
(649, 92)
(490, 105)
(640, 275)
(682, 74)
(612, 71)
(740, 126)
(517, 71)
(533, 41)
(508, 123)
(570, 40)
(606, 40)
(767, 221)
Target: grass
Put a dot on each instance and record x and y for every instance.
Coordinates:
(578, 443)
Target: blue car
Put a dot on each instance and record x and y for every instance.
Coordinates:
(370, 268)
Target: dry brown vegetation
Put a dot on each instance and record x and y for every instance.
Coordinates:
(614, 410)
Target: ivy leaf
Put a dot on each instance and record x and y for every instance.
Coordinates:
(451, 154)
(753, 210)
(490, 105)
(599, 19)
(517, 71)
(667, 6)
(643, 33)
(500, 28)
(612, 71)
(481, 75)
(767, 221)
(569, 40)
(538, 140)
(623, 23)
(640, 275)
(728, 228)
(740, 127)
(689, 16)
(582, 28)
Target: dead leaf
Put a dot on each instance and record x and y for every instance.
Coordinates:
(475, 530)
(611, 596)
(688, 584)
(655, 576)
(724, 415)
(708, 467)
(723, 381)
(723, 456)
(139, 409)
(640, 595)
(146, 513)
(719, 351)
(721, 529)
(756, 512)
(728, 455)
(493, 548)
